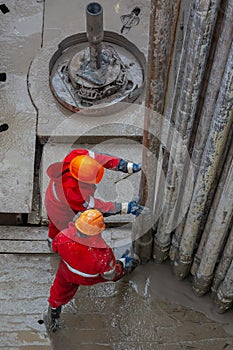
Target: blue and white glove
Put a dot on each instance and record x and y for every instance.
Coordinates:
(129, 262)
(128, 167)
(134, 208)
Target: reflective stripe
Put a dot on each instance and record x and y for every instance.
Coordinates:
(130, 168)
(77, 272)
(91, 203)
(55, 192)
(91, 154)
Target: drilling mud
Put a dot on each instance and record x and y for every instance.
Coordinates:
(146, 310)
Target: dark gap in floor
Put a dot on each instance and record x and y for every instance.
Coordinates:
(2, 76)
(4, 8)
(4, 127)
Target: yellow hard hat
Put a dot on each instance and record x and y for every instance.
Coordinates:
(90, 222)
(86, 169)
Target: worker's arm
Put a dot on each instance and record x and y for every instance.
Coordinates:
(129, 261)
(113, 269)
(113, 208)
(110, 268)
(117, 164)
(81, 200)
(81, 197)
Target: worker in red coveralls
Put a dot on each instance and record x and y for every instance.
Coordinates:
(85, 259)
(72, 187)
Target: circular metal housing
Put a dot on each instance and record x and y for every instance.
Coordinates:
(78, 85)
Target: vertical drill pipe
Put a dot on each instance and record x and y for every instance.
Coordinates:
(95, 32)
(224, 297)
(164, 15)
(220, 128)
(194, 55)
(220, 216)
(216, 62)
(224, 263)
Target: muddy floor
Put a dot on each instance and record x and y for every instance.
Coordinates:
(148, 309)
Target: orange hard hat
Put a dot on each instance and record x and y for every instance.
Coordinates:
(86, 169)
(90, 222)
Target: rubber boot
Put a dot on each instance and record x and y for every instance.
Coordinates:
(53, 318)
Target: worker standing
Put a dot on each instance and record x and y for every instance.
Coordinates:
(72, 187)
(85, 259)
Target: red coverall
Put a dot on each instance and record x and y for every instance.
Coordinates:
(83, 262)
(66, 196)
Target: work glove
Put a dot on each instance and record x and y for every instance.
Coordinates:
(128, 167)
(129, 262)
(134, 208)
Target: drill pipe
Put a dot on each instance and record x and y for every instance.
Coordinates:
(95, 33)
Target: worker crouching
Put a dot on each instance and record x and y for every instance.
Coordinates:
(86, 259)
(72, 187)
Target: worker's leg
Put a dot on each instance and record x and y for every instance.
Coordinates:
(61, 292)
